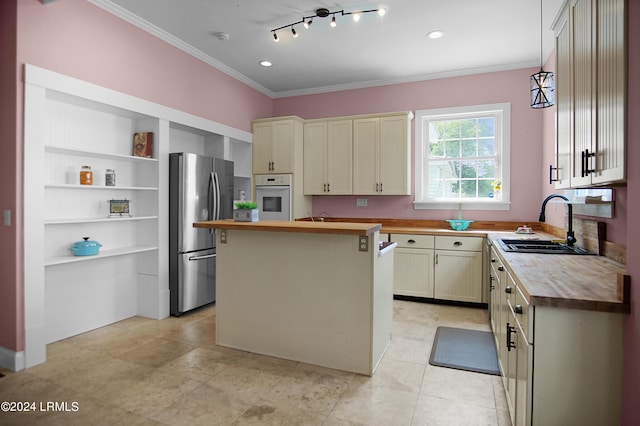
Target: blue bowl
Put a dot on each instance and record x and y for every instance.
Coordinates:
(459, 224)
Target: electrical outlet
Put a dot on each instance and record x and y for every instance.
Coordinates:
(7, 218)
(363, 243)
(361, 202)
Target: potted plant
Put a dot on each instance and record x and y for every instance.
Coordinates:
(246, 211)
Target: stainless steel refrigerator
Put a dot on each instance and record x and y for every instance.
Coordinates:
(200, 189)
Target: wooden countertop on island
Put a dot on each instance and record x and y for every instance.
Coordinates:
(348, 228)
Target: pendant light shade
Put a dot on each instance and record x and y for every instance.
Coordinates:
(542, 89)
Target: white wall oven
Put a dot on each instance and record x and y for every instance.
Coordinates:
(273, 195)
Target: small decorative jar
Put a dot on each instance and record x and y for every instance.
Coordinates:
(86, 176)
(110, 177)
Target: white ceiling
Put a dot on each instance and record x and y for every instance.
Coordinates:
(481, 36)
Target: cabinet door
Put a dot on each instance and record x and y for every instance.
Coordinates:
(495, 276)
(339, 163)
(610, 94)
(394, 156)
(262, 141)
(282, 146)
(564, 104)
(583, 90)
(365, 156)
(458, 275)
(413, 272)
(522, 380)
(315, 158)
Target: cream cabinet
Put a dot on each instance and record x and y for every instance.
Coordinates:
(381, 155)
(327, 161)
(413, 265)
(458, 268)
(277, 145)
(552, 358)
(591, 93)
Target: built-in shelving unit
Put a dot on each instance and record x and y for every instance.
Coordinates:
(70, 124)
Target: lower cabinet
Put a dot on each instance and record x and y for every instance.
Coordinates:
(559, 366)
(413, 265)
(441, 267)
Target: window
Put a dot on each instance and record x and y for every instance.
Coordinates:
(462, 157)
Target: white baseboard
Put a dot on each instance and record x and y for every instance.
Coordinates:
(11, 360)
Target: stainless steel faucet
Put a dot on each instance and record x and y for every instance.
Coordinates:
(571, 239)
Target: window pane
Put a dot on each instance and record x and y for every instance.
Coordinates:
(469, 188)
(452, 189)
(452, 129)
(452, 169)
(468, 128)
(436, 130)
(469, 148)
(436, 149)
(486, 168)
(486, 147)
(486, 126)
(485, 188)
(452, 149)
(468, 169)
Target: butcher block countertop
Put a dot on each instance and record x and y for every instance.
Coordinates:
(296, 226)
(567, 281)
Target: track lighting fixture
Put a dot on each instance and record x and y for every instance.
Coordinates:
(324, 13)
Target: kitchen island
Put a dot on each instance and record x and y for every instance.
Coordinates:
(314, 292)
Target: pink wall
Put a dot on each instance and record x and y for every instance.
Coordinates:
(508, 86)
(78, 39)
(631, 385)
(10, 281)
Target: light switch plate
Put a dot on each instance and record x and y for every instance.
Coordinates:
(7, 218)
(361, 202)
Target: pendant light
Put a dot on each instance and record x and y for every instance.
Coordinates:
(542, 83)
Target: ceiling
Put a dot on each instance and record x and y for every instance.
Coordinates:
(480, 36)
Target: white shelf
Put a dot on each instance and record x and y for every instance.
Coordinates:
(96, 220)
(84, 153)
(60, 260)
(78, 186)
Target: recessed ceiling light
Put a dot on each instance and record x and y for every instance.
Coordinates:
(265, 63)
(435, 34)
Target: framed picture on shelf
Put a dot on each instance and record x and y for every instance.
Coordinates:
(143, 144)
(119, 208)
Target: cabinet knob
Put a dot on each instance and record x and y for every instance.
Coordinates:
(508, 289)
(500, 268)
(493, 260)
(518, 309)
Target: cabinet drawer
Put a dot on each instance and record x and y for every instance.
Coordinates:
(521, 305)
(459, 243)
(413, 241)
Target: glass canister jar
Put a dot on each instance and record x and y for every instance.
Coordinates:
(110, 177)
(86, 175)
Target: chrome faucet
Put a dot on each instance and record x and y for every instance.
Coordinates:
(571, 239)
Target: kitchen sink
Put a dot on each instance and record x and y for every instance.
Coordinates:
(540, 246)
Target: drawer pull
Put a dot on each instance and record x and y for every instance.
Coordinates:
(508, 289)
(518, 309)
(457, 243)
(411, 241)
(510, 343)
(493, 260)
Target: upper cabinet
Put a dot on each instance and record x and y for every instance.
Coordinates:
(381, 155)
(328, 157)
(591, 93)
(277, 143)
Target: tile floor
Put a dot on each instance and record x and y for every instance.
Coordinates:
(146, 372)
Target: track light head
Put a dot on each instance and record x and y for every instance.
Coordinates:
(333, 21)
(293, 31)
(308, 23)
(275, 37)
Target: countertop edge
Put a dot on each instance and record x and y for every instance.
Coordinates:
(347, 228)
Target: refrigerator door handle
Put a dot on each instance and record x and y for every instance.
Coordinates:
(206, 256)
(216, 189)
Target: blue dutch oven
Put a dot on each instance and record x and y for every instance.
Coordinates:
(86, 248)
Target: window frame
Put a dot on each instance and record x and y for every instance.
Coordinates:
(503, 128)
